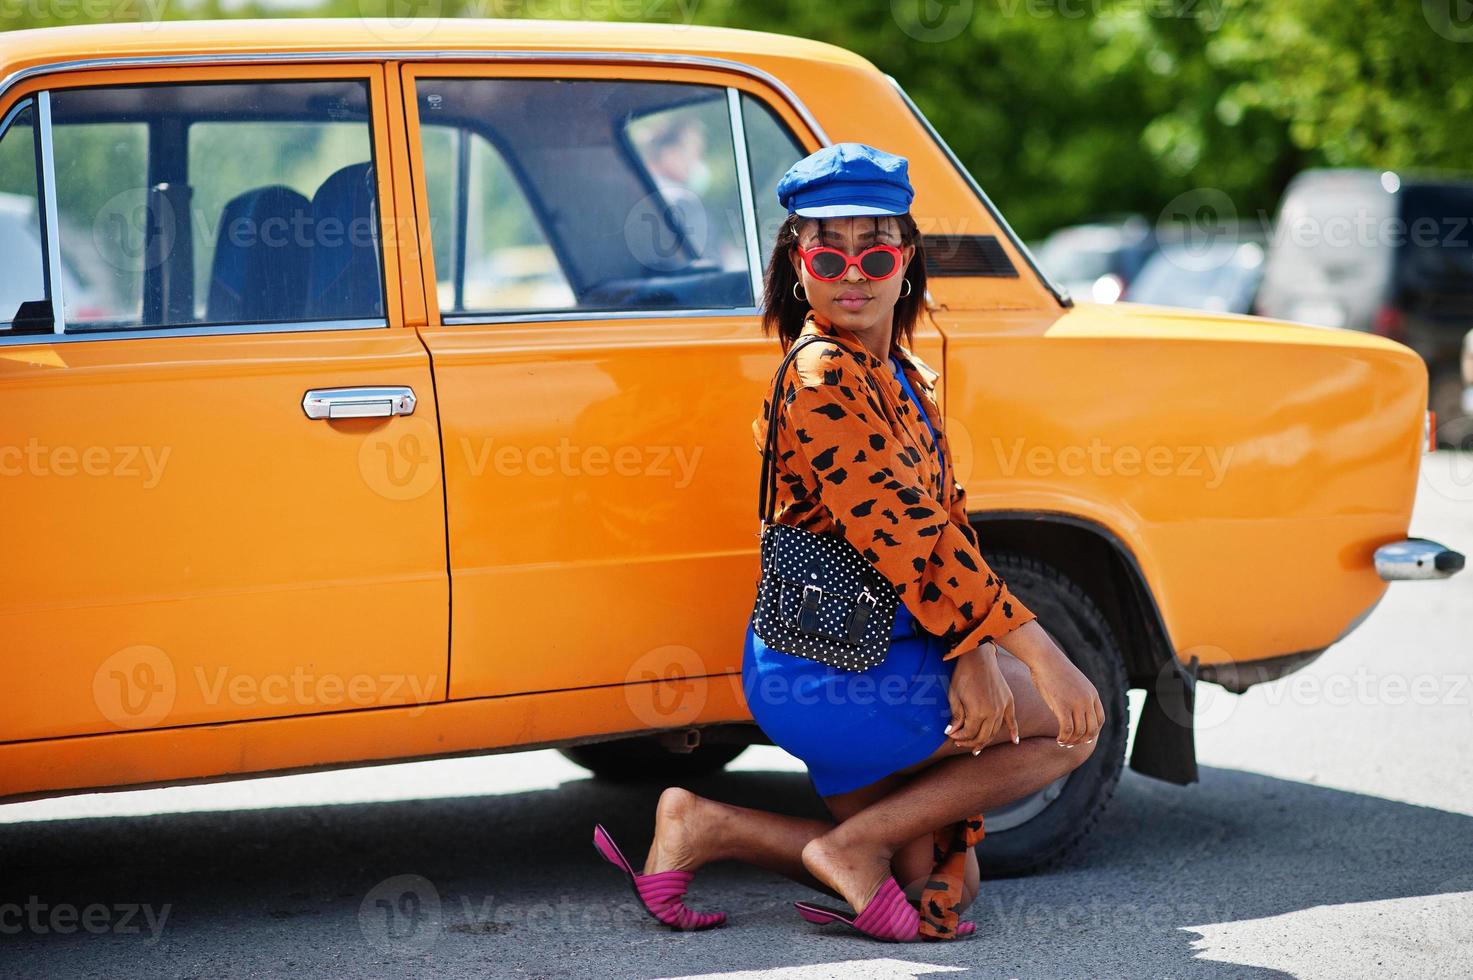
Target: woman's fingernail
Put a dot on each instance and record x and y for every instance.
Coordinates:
(1015, 740)
(976, 751)
(948, 730)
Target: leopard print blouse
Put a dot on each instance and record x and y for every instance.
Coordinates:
(854, 458)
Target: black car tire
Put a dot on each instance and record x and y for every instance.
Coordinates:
(1041, 839)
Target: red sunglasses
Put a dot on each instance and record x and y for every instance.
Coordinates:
(829, 264)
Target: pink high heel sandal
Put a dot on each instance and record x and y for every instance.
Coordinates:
(888, 916)
(659, 892)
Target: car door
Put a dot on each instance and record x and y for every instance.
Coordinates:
(221, 483)
(598, 238)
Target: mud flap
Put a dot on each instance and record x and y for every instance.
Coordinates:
(1164, 746)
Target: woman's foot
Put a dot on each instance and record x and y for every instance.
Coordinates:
(678, 832)
(855, 872)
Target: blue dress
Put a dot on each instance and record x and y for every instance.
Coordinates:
(852, 728)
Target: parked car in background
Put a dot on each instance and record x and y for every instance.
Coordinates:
(1221, 275)
(1098, 260)
(396, 321)
(1459, 432)
(1382, 252)
(20, 258)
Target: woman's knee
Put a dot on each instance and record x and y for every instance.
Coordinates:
(1083, 750)
(1033, 714)
(1071, 757)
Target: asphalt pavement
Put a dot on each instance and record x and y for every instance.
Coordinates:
(1330, 835)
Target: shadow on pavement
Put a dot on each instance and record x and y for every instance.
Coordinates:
(509, 885)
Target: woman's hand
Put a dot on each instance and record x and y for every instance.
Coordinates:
(1071, 697)
(981, 701)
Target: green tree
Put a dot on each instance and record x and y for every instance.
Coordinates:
(1065, 109)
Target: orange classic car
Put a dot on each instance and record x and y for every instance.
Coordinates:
(377, 390)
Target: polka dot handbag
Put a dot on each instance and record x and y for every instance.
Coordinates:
(818, 597)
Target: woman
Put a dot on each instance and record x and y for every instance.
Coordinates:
(895, 751)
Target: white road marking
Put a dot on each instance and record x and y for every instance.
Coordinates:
(882, 969)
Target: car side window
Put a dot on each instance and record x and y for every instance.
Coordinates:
(187, 205)
(582, 195)
(490, 251)
(22, 252)
(771, 150)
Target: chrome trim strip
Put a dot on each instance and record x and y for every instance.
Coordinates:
(744, 188)
(5, 124)
(215, 330)
(1060, 293)
(52, 231)
(309, 57)
(15, 110)
(476, 319)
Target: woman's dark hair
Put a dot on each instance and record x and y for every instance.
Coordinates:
(783, 314)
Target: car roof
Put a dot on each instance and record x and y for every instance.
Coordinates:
(431, 36)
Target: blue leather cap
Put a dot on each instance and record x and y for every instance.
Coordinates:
(846, 179)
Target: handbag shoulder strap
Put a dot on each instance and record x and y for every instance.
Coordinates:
(767, 496)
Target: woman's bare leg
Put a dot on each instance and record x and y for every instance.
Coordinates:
(854, 857)
(691, 831)
(913, 863)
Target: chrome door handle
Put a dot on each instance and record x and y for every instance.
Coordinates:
(358, 403)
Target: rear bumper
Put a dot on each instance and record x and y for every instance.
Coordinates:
(1405, 560)
(1416, 558)
(1239, 677)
